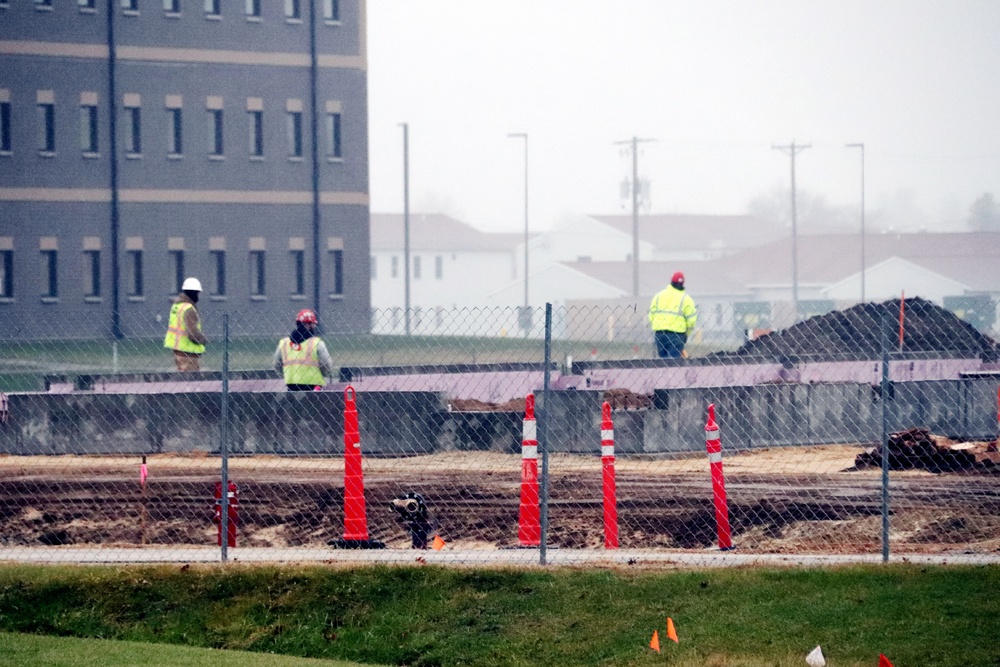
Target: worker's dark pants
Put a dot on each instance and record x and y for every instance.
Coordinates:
(301, 387)
(669, 344)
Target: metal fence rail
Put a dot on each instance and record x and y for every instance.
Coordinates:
(490, 436)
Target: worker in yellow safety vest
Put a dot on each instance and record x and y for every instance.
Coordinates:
(302, 357)
(184, 335)
(672, 316)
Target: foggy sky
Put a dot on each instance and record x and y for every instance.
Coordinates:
(716, 84)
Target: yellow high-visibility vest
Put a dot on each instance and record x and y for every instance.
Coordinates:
(672, 310)
(300, 363)
(177, 335)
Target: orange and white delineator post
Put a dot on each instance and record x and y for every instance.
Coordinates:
(608, 478)
(714, 447)
(529, 523)
(355, 520)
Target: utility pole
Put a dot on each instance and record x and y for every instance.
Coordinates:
(406, 225)
(633, 143)
(793, 150)
(525, 317)
(862, 147)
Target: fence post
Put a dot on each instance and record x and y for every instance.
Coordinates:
(543, 430)
(224, 444)
(885, 390)
(608, 478)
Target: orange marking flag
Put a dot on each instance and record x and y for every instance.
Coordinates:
(654, 643)
(671, 633)
(437, 544)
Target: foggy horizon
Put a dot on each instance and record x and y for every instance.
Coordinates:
(716, 86)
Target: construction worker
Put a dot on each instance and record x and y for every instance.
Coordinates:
(184, 334)
(302, 357)
(672, 316)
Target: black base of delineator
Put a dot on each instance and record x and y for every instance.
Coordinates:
(356, 544)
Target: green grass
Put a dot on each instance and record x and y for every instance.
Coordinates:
(18, 650)
(942, 616)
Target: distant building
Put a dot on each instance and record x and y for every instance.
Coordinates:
(142, 141)
(453, 270)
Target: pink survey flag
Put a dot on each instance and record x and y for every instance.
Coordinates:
(143, 472)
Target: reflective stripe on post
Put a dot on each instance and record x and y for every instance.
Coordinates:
(529, 524)
(714, 447)
(608, 478)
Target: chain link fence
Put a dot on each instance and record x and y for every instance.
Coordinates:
(553, 434)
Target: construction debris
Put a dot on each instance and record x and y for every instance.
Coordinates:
(916, 448)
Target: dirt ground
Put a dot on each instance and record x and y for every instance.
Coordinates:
(807, 500)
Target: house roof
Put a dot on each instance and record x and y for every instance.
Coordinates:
(728, 233)
(704, 277)
(436, 232)
(971, 258)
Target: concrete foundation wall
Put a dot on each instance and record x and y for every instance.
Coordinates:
(410, 423)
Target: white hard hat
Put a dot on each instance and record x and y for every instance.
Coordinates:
(191, 285)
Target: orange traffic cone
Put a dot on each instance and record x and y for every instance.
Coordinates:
(883, 661)
(654, 643)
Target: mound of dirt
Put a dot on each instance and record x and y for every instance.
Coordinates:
(857, 332)
(916, 448)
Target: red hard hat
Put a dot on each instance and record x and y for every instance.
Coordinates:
(678, 277)
(306, 316)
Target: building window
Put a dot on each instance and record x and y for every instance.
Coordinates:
(6, 145)
(172, 6)
(175, 132)
(416, 267)
(395, 266)
(294, 133)
(133, 131)
(50, 273)
(256, 133)
(219, 260)
(43, 4)
(336, 273)
(253, 9)
(331, 10)
(333, 135)
(438, 267)
(86, 4)
(216, 147)
(177, 261)
(130, 5)
(92, 273)
(133, 275)
(298, 272)
(88, 128)
(372, 262)
(7, 274)
(47, 127)
(213, 8)
(293, 10)
(258, 278)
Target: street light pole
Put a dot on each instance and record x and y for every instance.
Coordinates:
(794, 150)
(406, 225)
(527, 305)
(862, 147)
